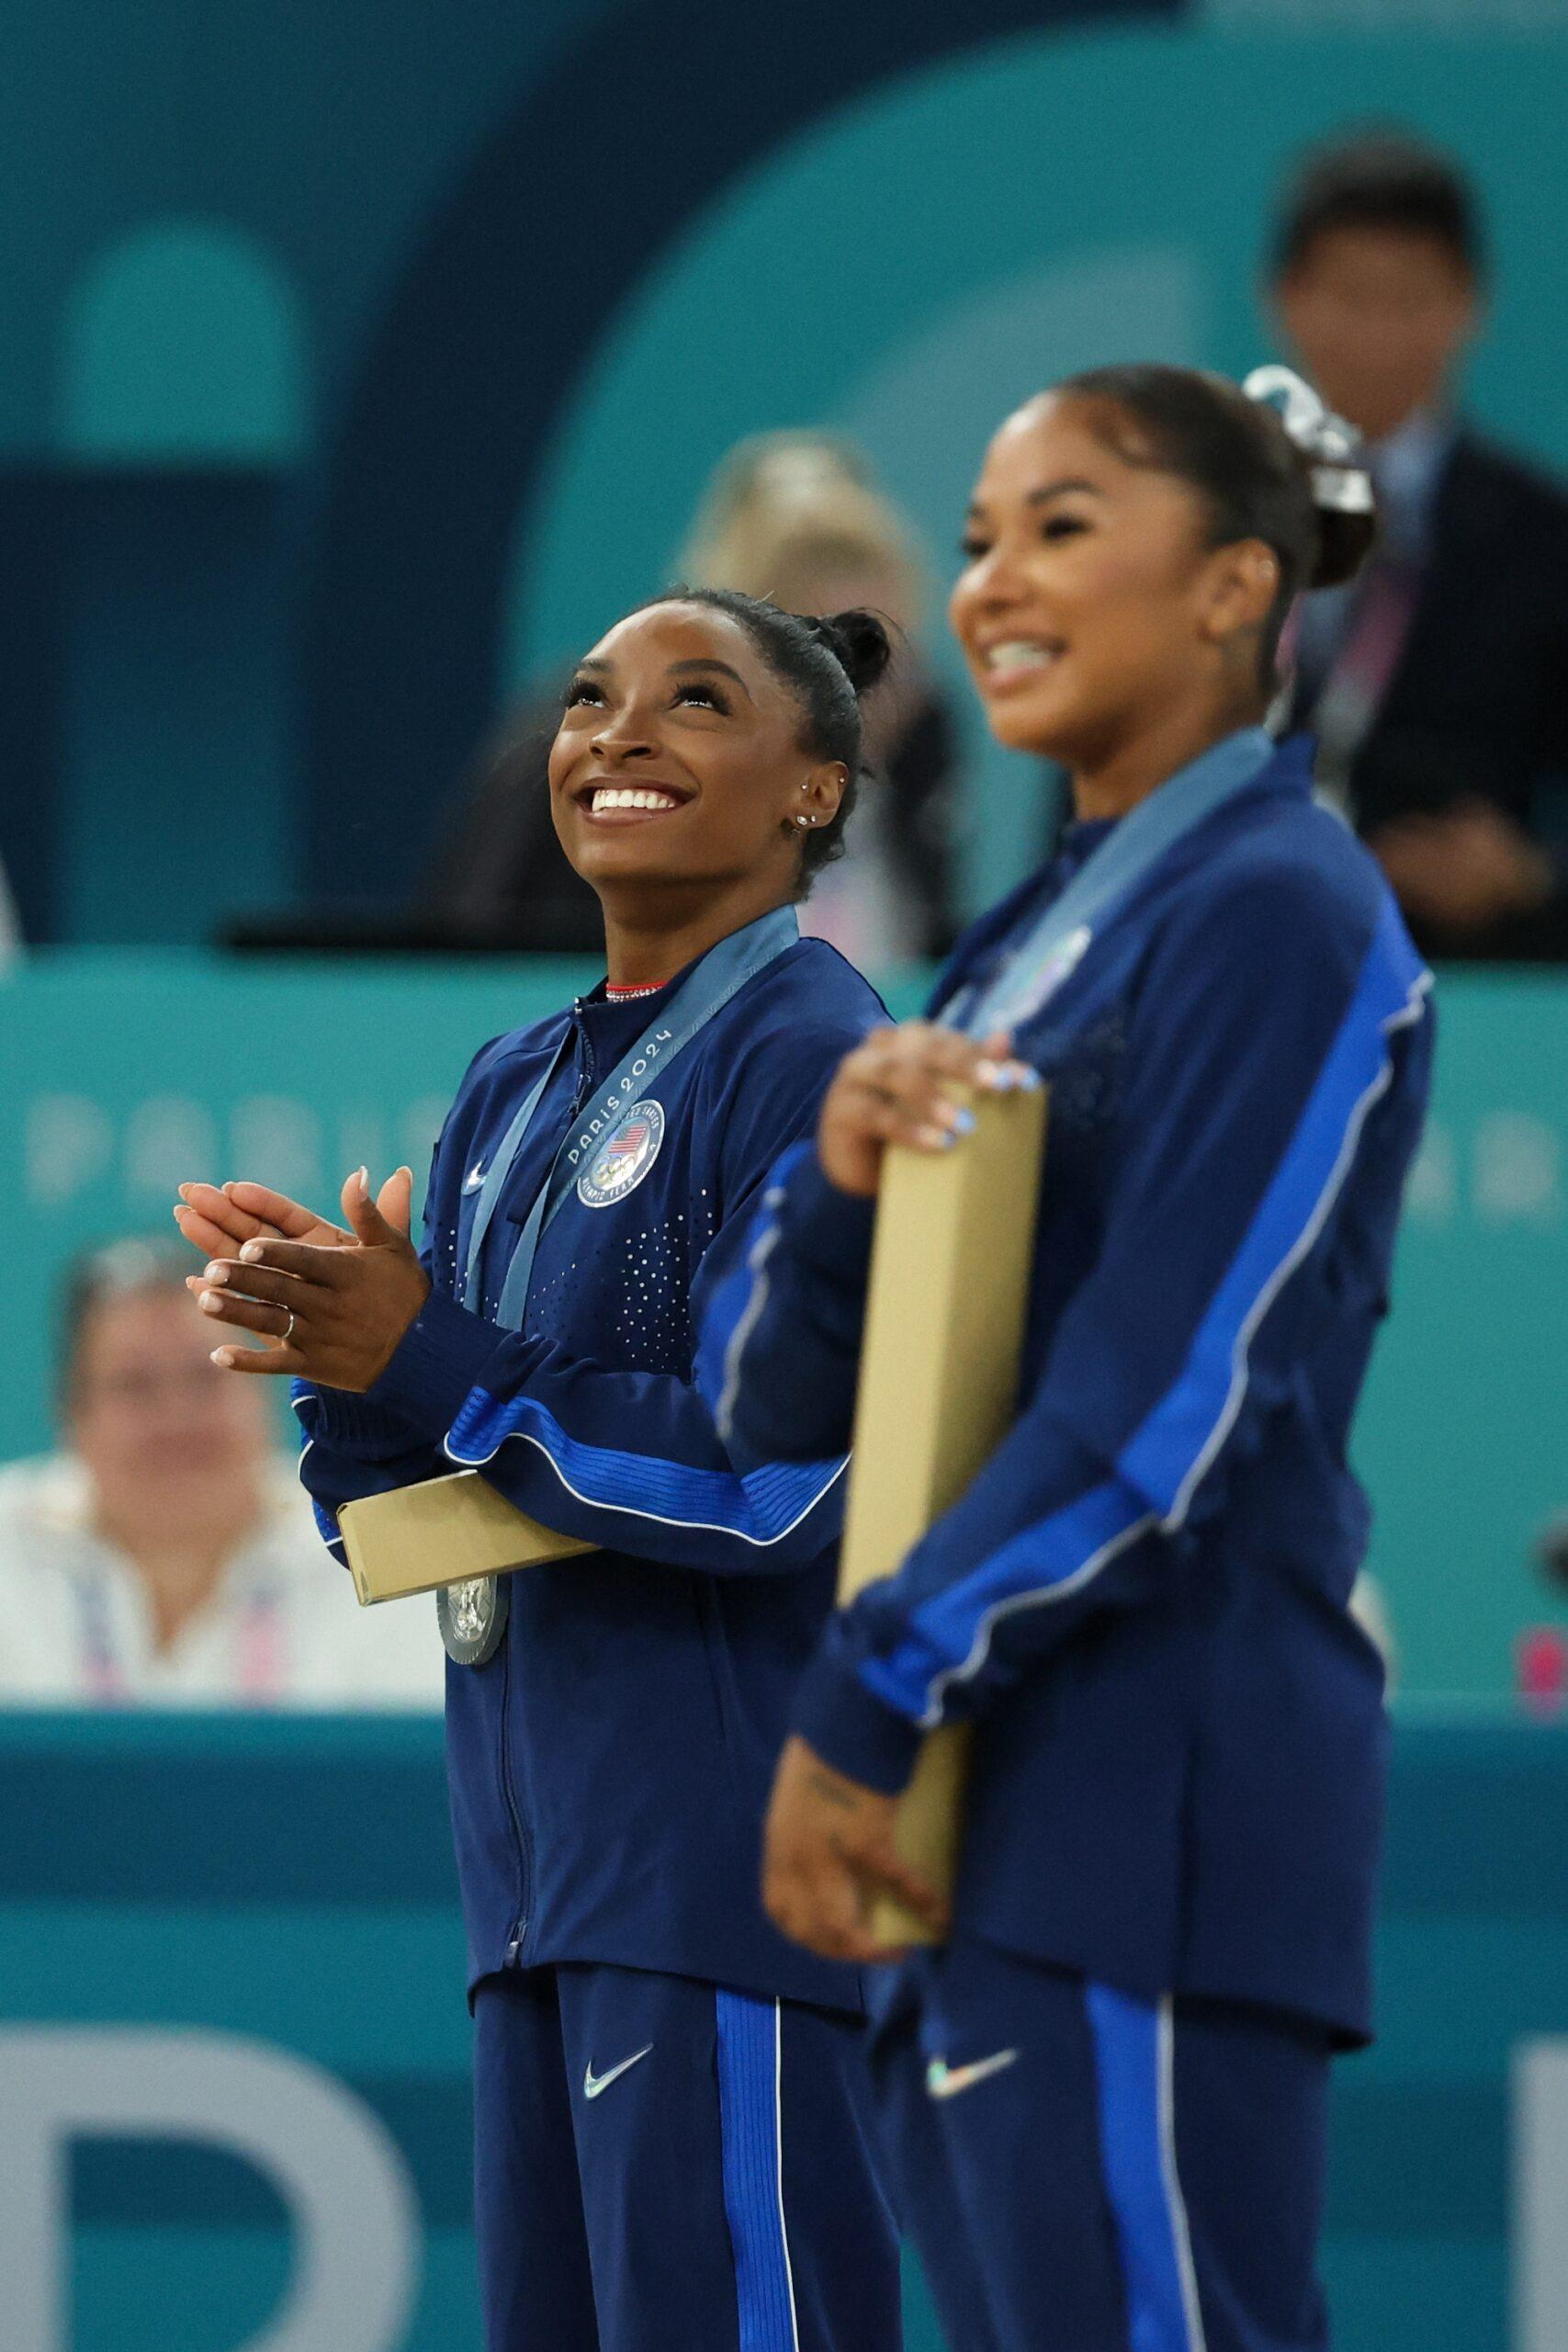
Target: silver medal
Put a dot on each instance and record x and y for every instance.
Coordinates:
(472, 1618)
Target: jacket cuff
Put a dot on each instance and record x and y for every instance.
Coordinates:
(858, 1734)
(828, 1230)
(351, 1424)
(439, 1360)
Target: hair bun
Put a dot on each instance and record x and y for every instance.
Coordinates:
(858, 641)
(1330, 453)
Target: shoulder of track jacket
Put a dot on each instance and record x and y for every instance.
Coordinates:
(1143, 1599)
(610, 1765)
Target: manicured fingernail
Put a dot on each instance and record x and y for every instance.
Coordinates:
(935, 1138)
(963, 1123)
(211, 1306)
(223, 1357)
(251, 1252)
(215, 1272)
(989, 1076)
(1026, 1078)
(362, 1182)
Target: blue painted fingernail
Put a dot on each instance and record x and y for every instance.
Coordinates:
(964, 1122)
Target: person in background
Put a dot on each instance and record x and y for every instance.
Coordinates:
(794, 518)
(797, 517)
(1437, 685)
(167, 1553)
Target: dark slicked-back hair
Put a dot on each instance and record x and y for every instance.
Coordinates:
(1382, 177)
(1236, 454)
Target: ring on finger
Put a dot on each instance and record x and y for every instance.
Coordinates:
(288, 1331)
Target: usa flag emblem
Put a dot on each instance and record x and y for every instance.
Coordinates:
(624, 1156)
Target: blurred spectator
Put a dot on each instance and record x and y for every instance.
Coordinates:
(1437, 685)
(167, 1555)
(795, 516)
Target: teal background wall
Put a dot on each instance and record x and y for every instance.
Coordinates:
(359, 361)
(163, 1874)
(134, 1073)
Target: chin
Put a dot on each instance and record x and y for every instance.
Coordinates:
(1035, 722)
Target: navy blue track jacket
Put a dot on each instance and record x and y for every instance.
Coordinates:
(1178, 1764)
(610, 1765)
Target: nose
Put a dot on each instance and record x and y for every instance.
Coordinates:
(995, 581)
(623, 735)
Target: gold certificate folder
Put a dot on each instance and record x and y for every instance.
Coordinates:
(416, 1539)
(949, 1282)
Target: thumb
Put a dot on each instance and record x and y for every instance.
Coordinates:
(394, 1201)
(370, 1227)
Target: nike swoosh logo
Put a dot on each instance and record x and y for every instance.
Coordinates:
(475, 1177)
(594, 2083)
(944, 2081)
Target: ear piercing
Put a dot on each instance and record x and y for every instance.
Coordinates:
(806, 820)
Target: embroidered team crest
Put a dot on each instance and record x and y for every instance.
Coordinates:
(624, 1156)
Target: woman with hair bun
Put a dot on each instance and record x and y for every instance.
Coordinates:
(673, 2143)
(1105, 2090)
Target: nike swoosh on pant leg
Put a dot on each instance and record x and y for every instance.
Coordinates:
(594, 2083)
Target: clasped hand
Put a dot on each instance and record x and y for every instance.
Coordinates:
(898, 1087)
(332, 1302)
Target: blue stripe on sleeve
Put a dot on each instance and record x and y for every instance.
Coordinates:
(750, 2068)
(737, 1300)
(1159, 1469)
(1168, 1457)
(760, 1507)
(1047, 1562)
(1133, 2055)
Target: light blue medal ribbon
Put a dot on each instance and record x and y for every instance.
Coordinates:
(1052, 944)
(721, 973)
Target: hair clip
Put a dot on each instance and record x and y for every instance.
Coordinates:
(1339, 479)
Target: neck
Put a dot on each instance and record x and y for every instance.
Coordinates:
(650, 935)
(180, 1566)
(1113, 784)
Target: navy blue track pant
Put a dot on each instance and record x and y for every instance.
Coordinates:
(1086, 2172)
(661, 2165)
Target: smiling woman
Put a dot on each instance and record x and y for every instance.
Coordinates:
(1160, 1926)
(609, 1746)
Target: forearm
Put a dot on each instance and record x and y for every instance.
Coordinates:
(782, 1335)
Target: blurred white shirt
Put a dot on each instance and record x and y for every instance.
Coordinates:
(283, 1628)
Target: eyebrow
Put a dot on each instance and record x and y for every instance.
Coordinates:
(677, 670)
(1049, 490)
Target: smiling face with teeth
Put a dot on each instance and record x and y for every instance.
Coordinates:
(678, 773)
(1102, 627)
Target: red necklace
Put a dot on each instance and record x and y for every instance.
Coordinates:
(615, 995)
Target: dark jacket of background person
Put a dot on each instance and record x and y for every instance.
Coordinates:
(1439, 686)
(1477, 706)
(501, 876)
